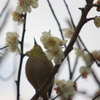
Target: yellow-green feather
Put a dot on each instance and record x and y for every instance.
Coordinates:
(36, 51)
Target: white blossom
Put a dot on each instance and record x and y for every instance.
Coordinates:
(25, 6)
(44, 36)
(85, 71)
(51, 43)
(67, 88)
(85, 56)
(17, 17)
(68, 32)
(79, 52)
(34, 3)
(53, 46)
(87, 59)
(96, 55)
(57, 56)
(12, 42)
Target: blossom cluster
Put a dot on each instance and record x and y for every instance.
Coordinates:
(68, 32)
(17, 17)
(85, 71)
(53, 45)
(23, 7)
(87, 57)
(67, 89)
(12, 42)
(88, 60)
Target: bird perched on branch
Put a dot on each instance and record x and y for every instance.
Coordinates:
(38, 67)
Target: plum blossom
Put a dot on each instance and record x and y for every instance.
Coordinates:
(53, 45)
(88, 59)
(66, 88)
(96, 55)
(68, 32)
(25, 6)
(34, 3)
(17, 17)
(45, 35)
(12, 42)
(85, 71)
(57, 56)
(85, 56)
(79, 52)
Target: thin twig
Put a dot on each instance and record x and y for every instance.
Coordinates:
(77, 78)
(56, 19)
(61, 34)
(56, 96)
(2, 11)
(75, 64)
(88, 51)
(6, 17)
(69, 14)
(4, 47)
(96, 79)
(21, 58)
(78, 44)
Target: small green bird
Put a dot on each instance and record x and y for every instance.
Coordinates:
(38, 67)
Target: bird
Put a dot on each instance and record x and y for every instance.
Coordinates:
(38, 67)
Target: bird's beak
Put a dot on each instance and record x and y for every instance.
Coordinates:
(35, 41)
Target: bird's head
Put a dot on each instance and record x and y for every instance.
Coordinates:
(36, 50)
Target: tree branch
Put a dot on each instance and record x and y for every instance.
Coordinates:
(21, 58)
(68, 49)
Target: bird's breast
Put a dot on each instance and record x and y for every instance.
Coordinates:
(37, 69)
